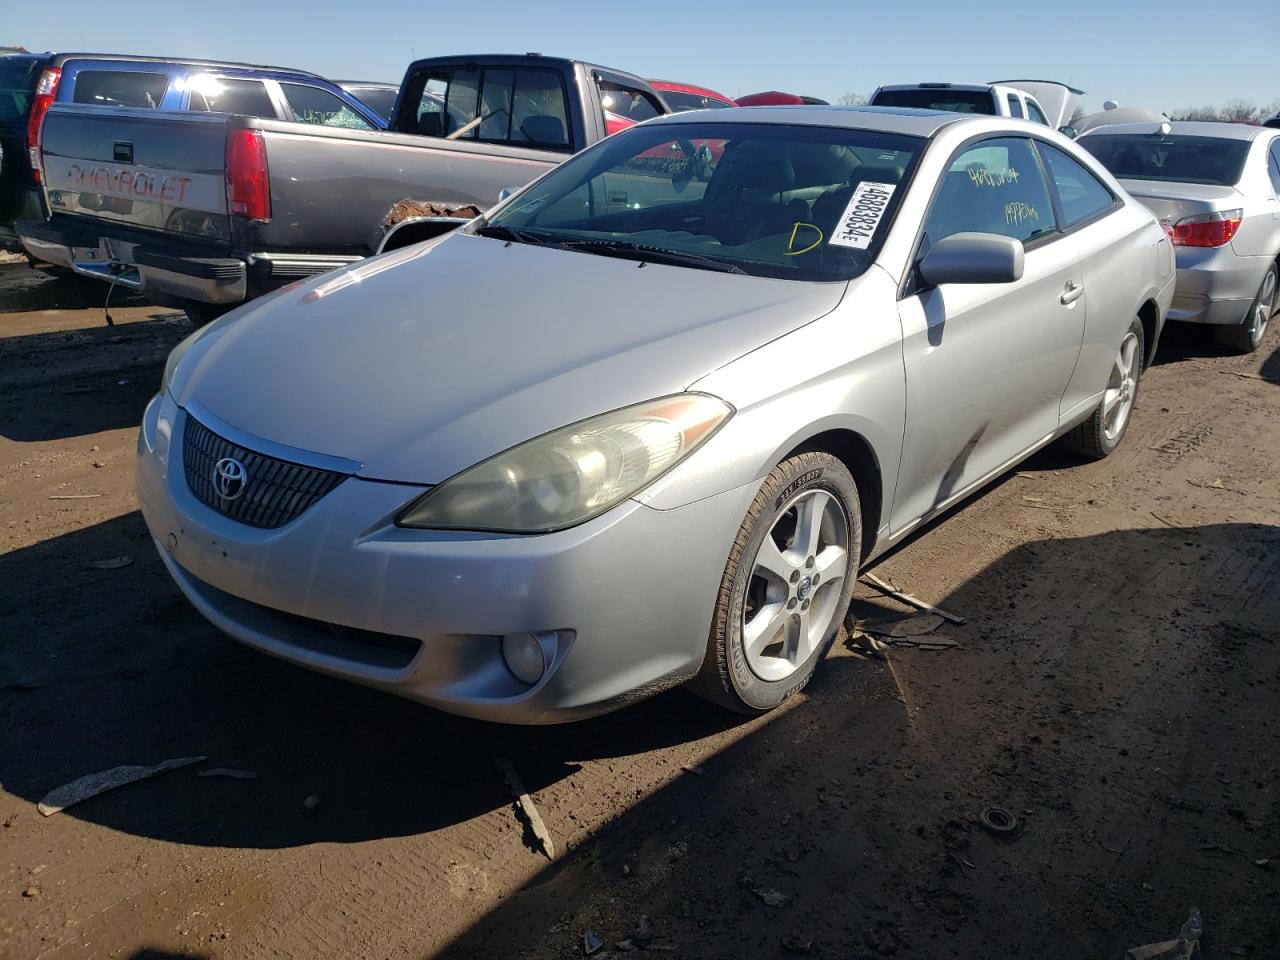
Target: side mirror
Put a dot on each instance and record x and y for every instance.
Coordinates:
(972, 258)
(506, 192)
(1069, 131)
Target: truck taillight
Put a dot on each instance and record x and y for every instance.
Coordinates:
(46, 91)
(248, 183)
(1206, 230)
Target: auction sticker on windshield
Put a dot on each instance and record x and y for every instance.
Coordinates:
(857, 225)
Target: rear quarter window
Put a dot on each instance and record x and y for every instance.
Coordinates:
(230, 95)
(1081, 195)
(18, 78)
(120, 88)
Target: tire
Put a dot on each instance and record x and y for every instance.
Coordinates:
(1099, 436)
(813, 487)
(1246, 337)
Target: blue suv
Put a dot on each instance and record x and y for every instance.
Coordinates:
(30, 83)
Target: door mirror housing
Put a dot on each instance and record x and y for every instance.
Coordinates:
(972, 258)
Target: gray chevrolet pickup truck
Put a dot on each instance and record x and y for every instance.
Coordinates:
(204, 211)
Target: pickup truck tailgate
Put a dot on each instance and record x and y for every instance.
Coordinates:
(150, 170)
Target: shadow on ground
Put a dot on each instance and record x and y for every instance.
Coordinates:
(1115, 692)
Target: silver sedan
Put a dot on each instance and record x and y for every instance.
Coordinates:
(1216, 188)
(643, 423)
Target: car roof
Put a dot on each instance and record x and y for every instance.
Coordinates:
(982, 87)
(380, 84)
(1187, 128)
(58, 59)
(904, 120)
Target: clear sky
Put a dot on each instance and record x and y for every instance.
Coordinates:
(1163, 54)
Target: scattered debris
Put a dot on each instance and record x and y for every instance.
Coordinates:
(913, 625)
(311, 803)
(1266, 863)
(111, 563)
(642, 932)
(31, 892)
(75, 496)
(1248, 376)
(623, 945)
(1170, 523)
(93, 784)
(232, 773)
(770, 897)
(21, 683)
(797, 944)
(691, 768)
(1184, 947)
(525, 803)
(1214, 484)
(591, 943)
(892, 591)
(999, 822)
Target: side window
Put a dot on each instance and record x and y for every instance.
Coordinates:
(226, 95)
(627, 102)
(1015, 106)
(496, 105)
(1273, 165)
(308, 104)
(120, 88)
(1035, 113)
(1080, 194)
(539, 113)
(995, 186)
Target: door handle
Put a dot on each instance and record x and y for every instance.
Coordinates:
(1072, 292)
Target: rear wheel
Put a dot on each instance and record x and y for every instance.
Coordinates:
(1247, 337)
(1100, 435)
(786, 586)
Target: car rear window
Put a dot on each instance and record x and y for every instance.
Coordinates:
(120, 88)
(953, 101)
(18, 76)
(1175, 158)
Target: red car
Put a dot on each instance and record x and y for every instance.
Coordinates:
(773, 98)
(679, 97)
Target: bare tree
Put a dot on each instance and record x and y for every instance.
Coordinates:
(1195, 113)
(1240, 109)
(852, 100)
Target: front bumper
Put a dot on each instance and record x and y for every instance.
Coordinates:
(421, 614)
(1215, 286)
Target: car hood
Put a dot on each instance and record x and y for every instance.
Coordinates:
(427, 360)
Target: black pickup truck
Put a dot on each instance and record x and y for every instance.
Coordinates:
(204, 211)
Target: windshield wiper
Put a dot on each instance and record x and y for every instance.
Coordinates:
(647, 254)
(498, 232)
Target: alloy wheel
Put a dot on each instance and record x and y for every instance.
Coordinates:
(1264, 308)
(796, 581)
(1122, 388)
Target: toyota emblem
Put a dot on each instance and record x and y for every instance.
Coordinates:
(229, 478)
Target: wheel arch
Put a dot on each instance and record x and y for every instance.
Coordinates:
(1149, 315)
(857, 454)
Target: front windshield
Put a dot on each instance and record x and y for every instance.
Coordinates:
(769, 199)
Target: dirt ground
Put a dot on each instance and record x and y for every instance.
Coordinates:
(1116, 687)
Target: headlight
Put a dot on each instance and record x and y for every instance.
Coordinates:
(572, 474)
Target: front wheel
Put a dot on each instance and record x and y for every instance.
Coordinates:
(1100, 435)
(1247, 337)
(786, 586)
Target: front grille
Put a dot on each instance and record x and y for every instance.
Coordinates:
(274, 492)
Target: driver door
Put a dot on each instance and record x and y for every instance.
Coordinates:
(987, 364)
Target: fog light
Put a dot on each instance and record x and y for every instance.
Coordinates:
(528, 655)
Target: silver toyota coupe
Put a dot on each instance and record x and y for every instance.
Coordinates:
(642, 424)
